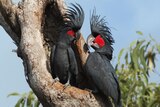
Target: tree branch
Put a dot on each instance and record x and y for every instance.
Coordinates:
(9, 21)
(81, 49)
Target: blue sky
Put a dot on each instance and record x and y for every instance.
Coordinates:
(124, 17)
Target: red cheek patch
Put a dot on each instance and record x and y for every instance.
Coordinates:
(99, 40)
(71, 33)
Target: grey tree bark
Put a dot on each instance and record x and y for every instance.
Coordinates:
(33, 25)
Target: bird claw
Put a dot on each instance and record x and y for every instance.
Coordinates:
(66, 85)
(89, 90)
(56, 79)
(92, 90)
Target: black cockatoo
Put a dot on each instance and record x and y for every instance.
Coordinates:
(63, 61)
(98, 66)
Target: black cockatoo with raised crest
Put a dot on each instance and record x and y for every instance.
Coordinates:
(62, 60)
(98, 66)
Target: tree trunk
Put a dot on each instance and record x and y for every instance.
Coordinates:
(33, 26)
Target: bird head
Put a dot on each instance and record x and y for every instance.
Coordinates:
(74, 18)
(95, 42)
(100, 34)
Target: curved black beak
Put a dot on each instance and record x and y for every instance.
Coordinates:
(76, 38)
(90, 42)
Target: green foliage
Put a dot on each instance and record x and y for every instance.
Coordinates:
(133, 67)
(26, 99)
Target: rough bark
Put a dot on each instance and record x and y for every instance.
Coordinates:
(8, 19)
(28, 24)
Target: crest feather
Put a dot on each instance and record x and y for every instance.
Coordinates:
(74, 17)
(98, 26)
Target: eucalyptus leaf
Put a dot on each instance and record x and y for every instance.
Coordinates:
(19, 102)
(13, 94)
(142, 59)
(139, 32)
(120, 54)
(133, 43)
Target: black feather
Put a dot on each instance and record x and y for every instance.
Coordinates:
(98, 26)
(74, 17)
